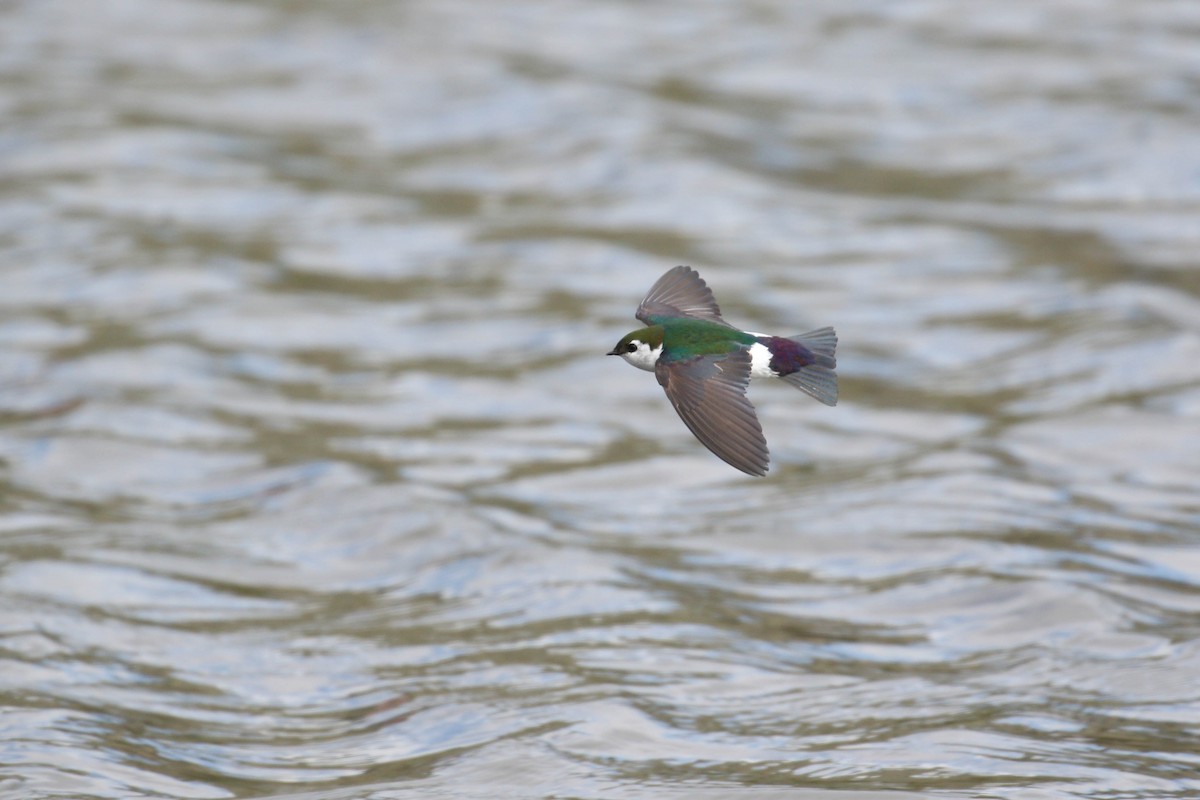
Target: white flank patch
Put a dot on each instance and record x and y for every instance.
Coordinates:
(760, 361)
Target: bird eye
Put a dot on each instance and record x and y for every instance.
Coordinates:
(631, 348)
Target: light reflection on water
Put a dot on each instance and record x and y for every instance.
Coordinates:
(314, 481)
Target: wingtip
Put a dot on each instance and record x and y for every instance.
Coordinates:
(680, 292)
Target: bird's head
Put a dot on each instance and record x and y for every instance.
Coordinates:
(641, 347)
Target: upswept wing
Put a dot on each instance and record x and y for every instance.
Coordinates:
(680, 292)
(709, 394)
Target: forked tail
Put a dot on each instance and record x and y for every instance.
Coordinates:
(818, 378)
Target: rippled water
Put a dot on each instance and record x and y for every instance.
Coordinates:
(314, 481)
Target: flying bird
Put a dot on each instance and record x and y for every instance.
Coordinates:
(704, 364)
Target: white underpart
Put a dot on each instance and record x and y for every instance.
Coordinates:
(760, 360)
(644, 357)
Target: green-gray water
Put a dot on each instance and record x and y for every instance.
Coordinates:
(315, 481)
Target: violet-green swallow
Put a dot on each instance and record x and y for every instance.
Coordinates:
(704, 364)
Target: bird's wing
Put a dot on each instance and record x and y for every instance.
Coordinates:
(709, 393)
(680, 292)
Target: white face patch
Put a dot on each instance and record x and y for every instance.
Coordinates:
(644, 357)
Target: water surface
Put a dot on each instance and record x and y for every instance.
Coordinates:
(315, 483)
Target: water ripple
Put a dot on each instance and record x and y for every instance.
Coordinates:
(315, 483)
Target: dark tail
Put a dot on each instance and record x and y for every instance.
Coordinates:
(818, 378)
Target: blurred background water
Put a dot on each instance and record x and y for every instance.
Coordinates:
(315, 483)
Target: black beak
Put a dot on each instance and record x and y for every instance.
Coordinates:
(613, 352)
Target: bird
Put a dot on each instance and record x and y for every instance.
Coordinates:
(704, 364)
